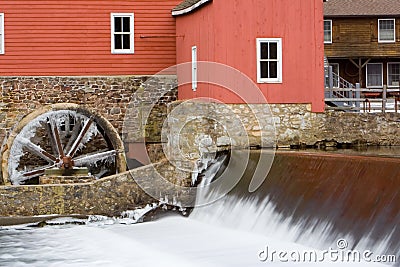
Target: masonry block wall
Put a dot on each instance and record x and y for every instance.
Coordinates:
(108, 95)
(196, 128)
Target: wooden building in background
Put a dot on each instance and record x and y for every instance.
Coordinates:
(362, 41)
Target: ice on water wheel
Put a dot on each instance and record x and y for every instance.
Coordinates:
(61, 136)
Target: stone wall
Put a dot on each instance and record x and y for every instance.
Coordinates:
(109, 196)
(108, 95)
(297, 125)
(196, 127)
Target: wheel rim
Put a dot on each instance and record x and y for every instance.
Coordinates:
(62, 138)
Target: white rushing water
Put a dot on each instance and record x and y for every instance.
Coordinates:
(172, 241)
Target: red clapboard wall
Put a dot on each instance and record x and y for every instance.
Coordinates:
(74, 37)
(225, 31)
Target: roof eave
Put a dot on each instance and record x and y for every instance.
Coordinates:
(364, 16)
(190, 8)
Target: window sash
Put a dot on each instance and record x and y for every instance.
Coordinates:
(386, 30)
(269, 60)
(374, 75)
(122, 33)
(393, 72)
(328, 31)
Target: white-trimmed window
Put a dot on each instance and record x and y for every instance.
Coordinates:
(393, 74)
(327, 31)
(374, 75)
(1, 33)
(122, 33)
(386, 30)
(269, 60)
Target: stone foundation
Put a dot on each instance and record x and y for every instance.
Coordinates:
(108, 196)
(65, 179)
(196, 127)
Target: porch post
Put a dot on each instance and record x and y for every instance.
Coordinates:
(358, 96)
(330, 77)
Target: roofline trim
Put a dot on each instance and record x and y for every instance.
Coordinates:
(363, 16)
(189, 9)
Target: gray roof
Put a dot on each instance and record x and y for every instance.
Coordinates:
(187, 6)
(343, 8)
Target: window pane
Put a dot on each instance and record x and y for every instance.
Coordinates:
(386, 30)
(264, 50)
(264, 69)
(126, 41)
(387, 35)
(327, 31)
(273, 69)
(126, 26)
(374, 74)
(117, 24)
(327, 36)
(273, 51)
(118, 41)
(327, 25)
(394, 74)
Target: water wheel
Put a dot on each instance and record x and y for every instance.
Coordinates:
(63, 136)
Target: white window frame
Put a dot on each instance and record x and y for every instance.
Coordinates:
(194, 68)
(131, 50)
(330, 23)
(387, 72)
(394, 31)
(2, 34)
(279, 60)
(366, 76)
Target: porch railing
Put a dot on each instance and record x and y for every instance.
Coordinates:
(345, 96)
(363, 99)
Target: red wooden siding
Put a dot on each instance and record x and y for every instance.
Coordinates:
(73, 37)
(225, 31)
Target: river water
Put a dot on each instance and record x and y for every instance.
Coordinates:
(240, 229)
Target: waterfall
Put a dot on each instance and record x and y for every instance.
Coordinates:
(311, 199)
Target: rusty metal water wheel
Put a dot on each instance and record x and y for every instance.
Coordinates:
(61, 136)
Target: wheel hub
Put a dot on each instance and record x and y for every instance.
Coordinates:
(67, 162)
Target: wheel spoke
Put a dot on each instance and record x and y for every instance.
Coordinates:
(34, 173)
(78, 140)
(51, 138)
(56, 138)
(92, 158)
(37, 150)
(74, 136)
(67, 124)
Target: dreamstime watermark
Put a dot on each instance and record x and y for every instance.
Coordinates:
(193, 130)
(339, 254)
